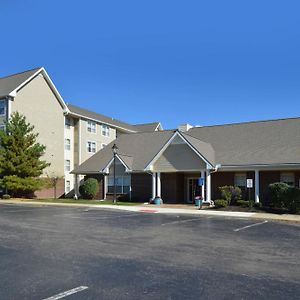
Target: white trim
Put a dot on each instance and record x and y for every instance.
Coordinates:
(256, 186)
(153, 185)
(49, 81)
(208, 186)
(99, 121)
(158, 184)
(260, 167)
(106, 168)
(149, 167)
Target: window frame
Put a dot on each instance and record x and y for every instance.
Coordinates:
(119, 178)
(4, 107)
(87, 147)
(91, 127)
(68, 186)
(286, 175)
(105, 130)
(240, 175)
(67, 165)
(67, 146)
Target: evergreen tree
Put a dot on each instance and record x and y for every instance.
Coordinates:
(20, 156)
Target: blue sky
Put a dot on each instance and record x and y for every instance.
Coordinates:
(202, 62)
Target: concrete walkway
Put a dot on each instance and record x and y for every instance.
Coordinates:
(166, 210)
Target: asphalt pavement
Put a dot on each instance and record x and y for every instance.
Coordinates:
(85, 253)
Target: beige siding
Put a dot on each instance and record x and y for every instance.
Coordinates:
(38, 103)
(93, 137)
(178, 157)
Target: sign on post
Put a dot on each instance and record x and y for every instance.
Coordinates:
(249, 183)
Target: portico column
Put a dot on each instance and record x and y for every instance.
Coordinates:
(76, 187)
(208, 186)
(158, 185)
(105, 186)
(153, 185)
(256, 186)
(203, 186)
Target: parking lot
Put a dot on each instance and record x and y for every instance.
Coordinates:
(78, 253)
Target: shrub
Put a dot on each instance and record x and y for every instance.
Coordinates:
(21, 187)
(277, 192)
(292, 200)
(220, 203)
(257, 204)
(89, 188)
(243, 203)
(6, 196)
(230, 193)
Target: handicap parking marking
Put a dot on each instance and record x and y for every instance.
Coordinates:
(248, 226)
(67, 293)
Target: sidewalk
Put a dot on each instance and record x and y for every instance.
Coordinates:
(167, 210)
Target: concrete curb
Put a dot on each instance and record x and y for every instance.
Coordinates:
(161, 210)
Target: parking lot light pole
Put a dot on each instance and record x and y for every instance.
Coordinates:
(114, 150)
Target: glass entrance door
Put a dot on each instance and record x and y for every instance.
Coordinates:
(193, 190)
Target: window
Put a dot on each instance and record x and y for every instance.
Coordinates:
(67, 165)
(240, 179)
(91, 147)
(91, 126)
(2, 127)
(67, 123)
(288, 178)
(67, 144)
(68, 186)
(103, 145)
(105, 130)
(2, 107)
(122, 184)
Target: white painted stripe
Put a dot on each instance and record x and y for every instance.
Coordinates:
(252, 225)
(67, 293)
(178, 222)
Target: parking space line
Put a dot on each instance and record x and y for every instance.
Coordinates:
(67, 293)
(248, 226)
(178, 222)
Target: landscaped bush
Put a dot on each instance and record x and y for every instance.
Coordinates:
(6, 196)
(243, 203)
(89, 188)
(220, 203)
(292, 200)
(257, 204)
(277, 192)
(230, 193)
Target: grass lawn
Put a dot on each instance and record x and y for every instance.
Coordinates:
(80, 201)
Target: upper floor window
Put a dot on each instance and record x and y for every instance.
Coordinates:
(68, 186)
(67, 144)
(240, 179)
(91, 147)
(67, 123)
(91, 126)
(105, 130)
(288, 178)
(2, 107)
(67, 165)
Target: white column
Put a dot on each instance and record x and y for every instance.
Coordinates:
(256, 186)
(153, 185)
(203, 186)
(76, 188)
(208, 186)
(105, 186)
(158, 184)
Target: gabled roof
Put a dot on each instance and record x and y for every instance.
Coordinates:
(272, 142)
(138, 150)
(82, 112)
(9, 83)
(148, 127)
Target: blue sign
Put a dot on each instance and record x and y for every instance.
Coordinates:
(200, 181)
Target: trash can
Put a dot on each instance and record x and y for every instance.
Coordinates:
(198, 202)
(157, 201)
